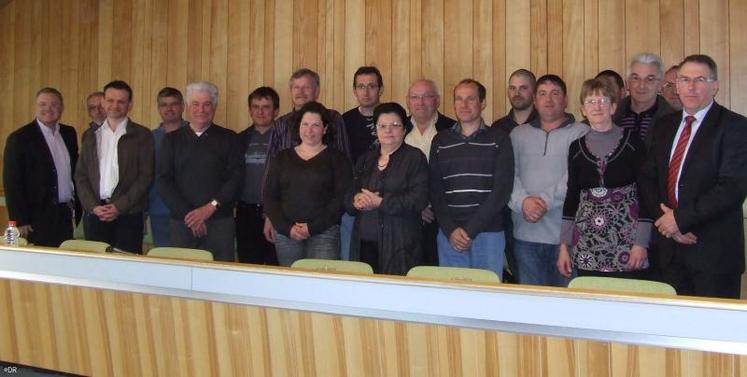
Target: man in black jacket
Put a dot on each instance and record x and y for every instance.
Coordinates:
(38, 174)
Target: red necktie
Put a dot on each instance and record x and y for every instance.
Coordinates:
(675, 163)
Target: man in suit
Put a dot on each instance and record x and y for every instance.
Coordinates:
(37, 174)
(114, 173)
(695, 181)
(423, 100)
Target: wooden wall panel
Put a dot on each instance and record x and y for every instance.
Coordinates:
(109, 333)
(79, 45)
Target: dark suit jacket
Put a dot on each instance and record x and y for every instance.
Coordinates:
(29, 174)
(444, 122)
(712, 187)
(136, 170)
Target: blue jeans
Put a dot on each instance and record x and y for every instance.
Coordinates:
(535, 263)
(325, 245)
(346, 233)
(486, 252)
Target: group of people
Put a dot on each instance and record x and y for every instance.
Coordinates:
(649, 185)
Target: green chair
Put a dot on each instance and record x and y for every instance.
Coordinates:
(331, 265)
(622, 285)
(454, 274)
(85, 245)
(22, 241)
(180, 253)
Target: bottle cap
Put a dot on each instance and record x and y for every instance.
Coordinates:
(11, 223)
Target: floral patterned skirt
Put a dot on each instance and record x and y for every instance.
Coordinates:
(606, 226)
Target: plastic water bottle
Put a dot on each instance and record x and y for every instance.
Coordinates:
(11, 234)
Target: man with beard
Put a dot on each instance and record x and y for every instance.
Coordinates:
(669, 88)
(540, 177)
(520, 93)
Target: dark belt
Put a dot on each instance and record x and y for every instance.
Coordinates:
(105, 201)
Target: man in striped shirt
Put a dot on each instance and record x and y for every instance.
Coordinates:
(472, 169)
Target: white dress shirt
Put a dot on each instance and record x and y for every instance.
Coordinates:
(61, 158)
(107, 141)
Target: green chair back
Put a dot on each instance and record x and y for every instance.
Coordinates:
(333, 265)
(22, 241)
(454, 274)
(181, 253)
(85, 245)
(623, 285)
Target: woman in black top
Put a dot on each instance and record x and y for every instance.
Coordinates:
(605, 230)
(390, 189)
(304, 191)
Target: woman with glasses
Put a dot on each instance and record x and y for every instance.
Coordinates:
(390, 189)
(605, 230)
(304, 191)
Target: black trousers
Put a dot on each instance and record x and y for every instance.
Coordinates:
(124, 233)
(369, 253)
(54, 226)
(251, 245)
(690, 282)
(428, 242)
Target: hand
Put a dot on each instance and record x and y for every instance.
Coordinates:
(269, 231)
(427, 215)
(533, 208)
(107, 212)
(362, 202)
(199, 230)
(638, 256)
(303, 228)
(24, 230)
(296, 233)
(685, 239)
(459, 240)
(374, 197)
(667, 224)
(199, 215)
(564, 265)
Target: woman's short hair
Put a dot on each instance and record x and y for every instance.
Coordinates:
(316, 108)
(597, 86)
(393, 108)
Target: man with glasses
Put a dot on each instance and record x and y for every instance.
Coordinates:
(368, 85)
(423, 100)
(669, 88)
(644, 106)
(540, 177)
(472, 169)
(694, 183)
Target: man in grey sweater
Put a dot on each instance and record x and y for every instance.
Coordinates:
(540, 176)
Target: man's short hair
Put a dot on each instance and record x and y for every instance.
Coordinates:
(594, 86)
(429, 82)
(481, 91)
(613, 75)
(526, 73)
(368, 70)
(120, 85)
(648, 58)
(52, 91)
(170, 92)
(203, 86)
(305, 72)
(267, 93)
(393, 108)
(703, 59)
(316, 108)
(552, 79)
(675, 68)
(95, 94)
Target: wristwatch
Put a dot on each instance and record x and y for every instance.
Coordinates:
(214, 203)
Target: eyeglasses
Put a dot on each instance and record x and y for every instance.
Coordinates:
(601, 102)
(423, 97)
(648, 80)
(700, 80)
(368, 86)
(383, 126)
(667, 84)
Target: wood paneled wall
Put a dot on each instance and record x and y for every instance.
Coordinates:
(79, 45)
(98, 332)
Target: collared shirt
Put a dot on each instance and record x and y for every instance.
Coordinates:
(694, 127)
(107, 141)
(422, 140)
(61, 158)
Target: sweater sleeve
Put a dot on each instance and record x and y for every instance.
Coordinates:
(503, 176)
(438, 197)
(166, 180)
(229, 190)
(343, 177)
(272, 197)
(573, 193)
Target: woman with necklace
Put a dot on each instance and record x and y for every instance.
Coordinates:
(304, 191)
(605, 230)
(390, 189)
